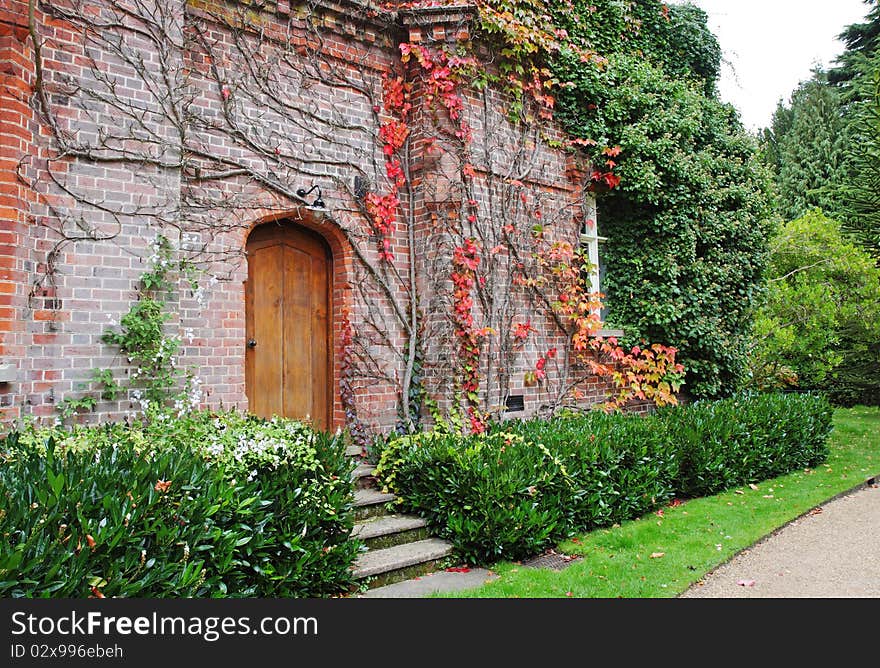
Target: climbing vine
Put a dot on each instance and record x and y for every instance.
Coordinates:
(153, 378)
(471, 278)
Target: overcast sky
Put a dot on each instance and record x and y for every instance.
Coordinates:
(769, 46)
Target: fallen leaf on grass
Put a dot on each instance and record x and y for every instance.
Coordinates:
(816, 511)
(746, 583)
(753, 485)
(659, 513)
(768, 496)
(739, 491)
(568, 593)
(657, 555)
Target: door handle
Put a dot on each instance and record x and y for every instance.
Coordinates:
(252, 343)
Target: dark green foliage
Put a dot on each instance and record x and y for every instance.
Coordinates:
(825, 146)
(746, 439)
(686, 230)
(620, 466)
(518, 490)
(808, 145)
(862, 43)
(686, 238)
(862, 192)
(494, 496)
(232, 524)
(677, 40)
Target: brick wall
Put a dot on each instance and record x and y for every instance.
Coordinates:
(225, 155)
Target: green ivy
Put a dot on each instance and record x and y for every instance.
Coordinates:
(687, 227)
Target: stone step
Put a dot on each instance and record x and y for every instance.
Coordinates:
(362, 471)
(362, 475)
(401, 562)
(390, 530)
(370, 502)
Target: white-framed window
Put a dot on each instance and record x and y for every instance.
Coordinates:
(590, 241)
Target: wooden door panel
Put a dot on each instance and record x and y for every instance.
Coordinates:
(268, 295)
(320, 323)
(299, 377)
(288, 306)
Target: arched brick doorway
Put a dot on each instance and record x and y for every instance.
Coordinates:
(288, 307)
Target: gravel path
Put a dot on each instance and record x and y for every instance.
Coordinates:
(830, 553)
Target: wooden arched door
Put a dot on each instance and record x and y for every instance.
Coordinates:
(288, 369)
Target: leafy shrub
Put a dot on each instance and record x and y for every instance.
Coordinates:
(493, 495)
(745, 439)
(820, 325)
(205, 505)
(518, 489)
(621, 465)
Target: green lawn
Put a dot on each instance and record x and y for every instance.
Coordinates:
(698, 535)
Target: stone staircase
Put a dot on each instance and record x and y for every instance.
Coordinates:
(399, 547)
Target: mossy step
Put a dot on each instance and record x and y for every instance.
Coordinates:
(362, 471)
(381, 564)
(370, 502)
(362, 475)
(390, 530)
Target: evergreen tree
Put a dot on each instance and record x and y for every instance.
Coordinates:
(863, 192)
(807, 146)
(857, 78)
(862, 42)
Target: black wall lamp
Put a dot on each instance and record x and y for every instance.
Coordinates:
(318, 203)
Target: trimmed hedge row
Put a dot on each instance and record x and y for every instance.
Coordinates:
(209, 505)
(526, 485)
(745, 439)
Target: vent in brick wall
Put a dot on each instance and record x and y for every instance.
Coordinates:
(515, 403)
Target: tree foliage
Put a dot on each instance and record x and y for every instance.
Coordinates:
(824, 143)
(863, 190)
(820, 325)
(808, 144)
(862, 42)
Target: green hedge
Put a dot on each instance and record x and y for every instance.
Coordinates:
(745, 439)
(524, 486)
(209, 505)
(493, 495)
(620, 465)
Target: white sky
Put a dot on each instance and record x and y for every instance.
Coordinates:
(769, 46)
